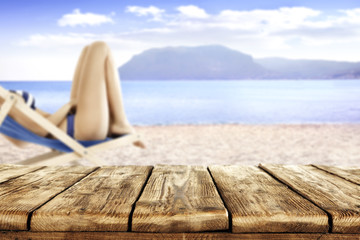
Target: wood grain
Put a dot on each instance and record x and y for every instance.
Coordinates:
(8, 171)
(22, 195)
(100, 202)
(351, 174)
(180, 199)
(338, 197)
(259, 203)
(340, 237)
(25, 235)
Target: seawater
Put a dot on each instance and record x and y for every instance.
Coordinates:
(219, 102)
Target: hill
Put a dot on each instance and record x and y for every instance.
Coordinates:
(308, 69)
(187, 63)
(218, 62)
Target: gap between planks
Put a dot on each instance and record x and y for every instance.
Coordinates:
(335, 174)
(15, 167)
(137, 199)
(230, 229)
(337, 196)
(100, 202)
(180, 198)
(257, 194)
(330, 220)
(222, 199)
(230, 221)
(31, 213)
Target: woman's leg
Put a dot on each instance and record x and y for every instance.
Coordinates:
(75, 86)
(76, 80)
(92, 111)
(97, 93)
(118, 120)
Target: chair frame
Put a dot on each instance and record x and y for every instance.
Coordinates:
(13, 101)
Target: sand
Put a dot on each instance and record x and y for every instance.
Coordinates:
(330, 144)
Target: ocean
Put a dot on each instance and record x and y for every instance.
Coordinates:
(221, 101)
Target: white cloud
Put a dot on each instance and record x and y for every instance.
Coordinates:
(192, 11)
(77, 18)
(73, 39)
(265, 20)
(54, 56)
(49, 40)
(154, 12)
(352, 16)
(283, 28)
(293, 32)
(255, 21)
(296, 32)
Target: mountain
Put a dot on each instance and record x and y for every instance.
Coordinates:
(353, 74)
(308, 69)
(186, 63)
(218, 62)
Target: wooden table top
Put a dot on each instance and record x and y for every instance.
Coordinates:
(180, 202)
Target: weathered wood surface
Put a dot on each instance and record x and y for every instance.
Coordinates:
(337, 196)
(87, 203)
(25, 235)
(259, 203)
(180, 199)
(100, 202)
(12, 171)
(351, 174)
(19, 197)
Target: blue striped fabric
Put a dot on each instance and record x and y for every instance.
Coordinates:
(70, 125)
(28, 98)
(13, 129)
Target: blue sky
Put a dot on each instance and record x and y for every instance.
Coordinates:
(41, 40)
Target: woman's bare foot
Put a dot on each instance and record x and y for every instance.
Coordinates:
(128, 129)
(120, 130)
(139, 144)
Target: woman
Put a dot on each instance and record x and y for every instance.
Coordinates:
(95, 110)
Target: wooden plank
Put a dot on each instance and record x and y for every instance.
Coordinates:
(25, 235)
(259, 203)
(338, 197)
(37, 160)
(351, 174)
(180, 199)
(52, 159)
(100, 202)
(340, 237)
(5, 108)
(8, 171)
(22, 195)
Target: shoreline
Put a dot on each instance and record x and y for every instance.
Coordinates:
(247, 124)
(227, 144)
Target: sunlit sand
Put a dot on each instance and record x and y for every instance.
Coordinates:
(330, 144)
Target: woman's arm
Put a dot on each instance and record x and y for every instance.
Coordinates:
(55, 118)
(60, 114)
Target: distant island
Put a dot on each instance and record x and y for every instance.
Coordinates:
(222, 63)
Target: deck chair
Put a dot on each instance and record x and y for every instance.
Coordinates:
(64, 148)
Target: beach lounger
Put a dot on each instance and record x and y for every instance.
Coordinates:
(64, 148)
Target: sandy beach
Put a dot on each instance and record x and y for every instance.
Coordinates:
(330, 144)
